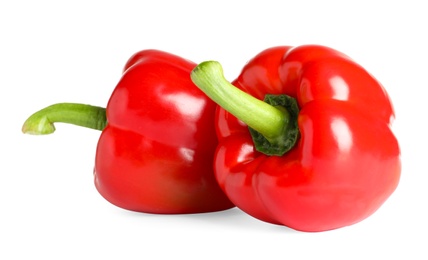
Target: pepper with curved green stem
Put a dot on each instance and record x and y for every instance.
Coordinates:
(345, 161)
(158, 138)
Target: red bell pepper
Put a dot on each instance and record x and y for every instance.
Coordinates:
(319, 153)
(158, 141)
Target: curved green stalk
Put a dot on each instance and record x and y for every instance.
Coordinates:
(42, 122)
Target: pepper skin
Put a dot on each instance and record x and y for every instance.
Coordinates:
(346, 160)
(156, 150)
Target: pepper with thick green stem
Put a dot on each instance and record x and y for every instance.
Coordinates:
(272, 122)
(345, 162)
(42, 122)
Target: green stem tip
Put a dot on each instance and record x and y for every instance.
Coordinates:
(272, 123)
(42, 122)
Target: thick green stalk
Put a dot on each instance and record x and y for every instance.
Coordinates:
(42, 122)
(272, 123)
(262, 117)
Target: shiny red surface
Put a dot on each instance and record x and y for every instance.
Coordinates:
(156, 152)
(347, 160)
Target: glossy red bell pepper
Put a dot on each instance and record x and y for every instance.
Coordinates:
(319, 153)
(158, 141)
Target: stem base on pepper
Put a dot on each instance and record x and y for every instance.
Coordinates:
(273, 123)
(288, 138)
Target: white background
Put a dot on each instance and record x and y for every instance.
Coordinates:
(57, 51)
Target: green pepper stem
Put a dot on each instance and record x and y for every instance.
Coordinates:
(264, 118)
(42, 122)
